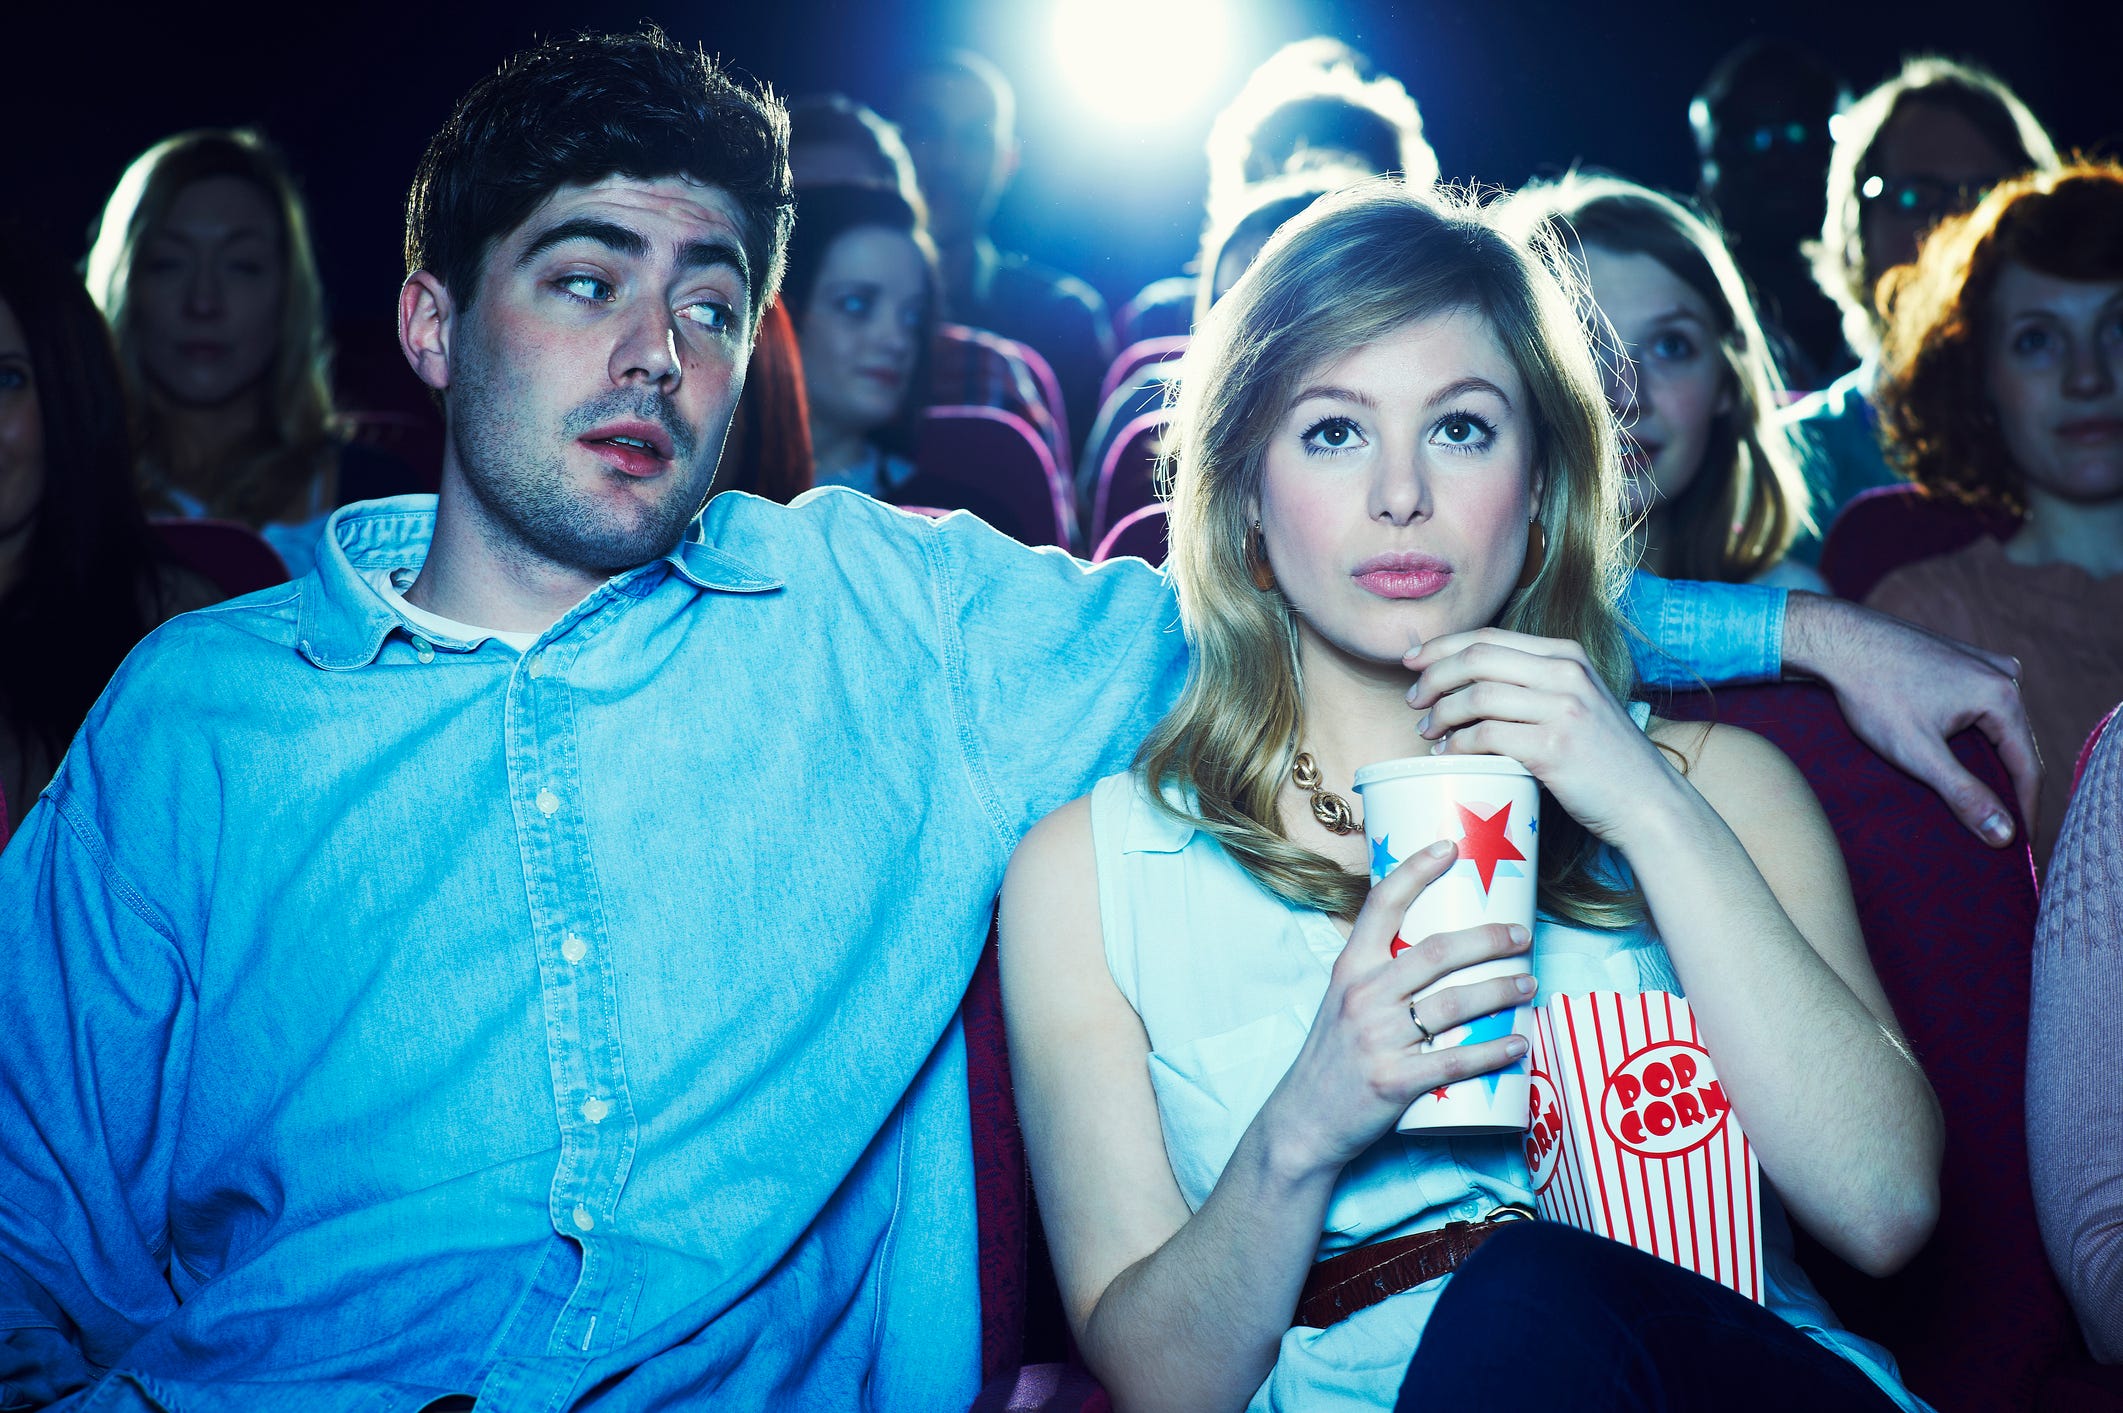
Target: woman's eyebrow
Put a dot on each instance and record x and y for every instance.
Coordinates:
(1335, 394)
(1470, 385)
(1677, 314)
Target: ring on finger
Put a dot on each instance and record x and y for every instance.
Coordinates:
(1421, 1030)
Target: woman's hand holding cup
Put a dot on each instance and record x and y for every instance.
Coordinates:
(1365, 1061)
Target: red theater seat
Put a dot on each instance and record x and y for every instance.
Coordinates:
(1136, 357)
(1140, 534)
(1127, 479)
(971, 367)
(230, 556)
(1882, 529)
(1977, 1321)
(992, 463)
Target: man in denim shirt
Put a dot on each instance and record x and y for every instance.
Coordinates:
(521, 958)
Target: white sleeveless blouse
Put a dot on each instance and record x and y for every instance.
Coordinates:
(1227, 978)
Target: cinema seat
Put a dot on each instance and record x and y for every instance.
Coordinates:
(971, 367)
(994, 464)
(232, 557)
(1976, 1320)
(1140, 534)
(1885, 528)
(1127, 479)
(1136, 357)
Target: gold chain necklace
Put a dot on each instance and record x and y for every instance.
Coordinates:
(1330, 809)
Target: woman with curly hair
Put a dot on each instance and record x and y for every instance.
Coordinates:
(2003, 386)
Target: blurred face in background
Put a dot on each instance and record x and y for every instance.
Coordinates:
(963, 152)
(1672, 388)
(1929, 162)
(839, 164)
(861, 330)
(2055, 374)
(207, 290)
(21, 431)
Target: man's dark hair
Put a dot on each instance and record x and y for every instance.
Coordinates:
(570, 112)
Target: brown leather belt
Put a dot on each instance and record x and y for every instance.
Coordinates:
(1342, 1285)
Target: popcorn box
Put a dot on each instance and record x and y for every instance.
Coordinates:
(1632, 1137)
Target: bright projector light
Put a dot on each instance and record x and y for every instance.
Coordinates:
(1142, 60)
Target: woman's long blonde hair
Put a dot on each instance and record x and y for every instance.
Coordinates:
(1750, 500)
(1352, 269)
(302, 430)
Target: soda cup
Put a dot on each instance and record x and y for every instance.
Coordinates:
(1490, 807)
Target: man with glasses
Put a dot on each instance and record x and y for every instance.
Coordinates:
(1924, 145)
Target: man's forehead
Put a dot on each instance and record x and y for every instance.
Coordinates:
(676, 208)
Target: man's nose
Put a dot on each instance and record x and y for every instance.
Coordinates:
(647, 350)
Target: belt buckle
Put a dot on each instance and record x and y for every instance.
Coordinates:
(1510, 1212)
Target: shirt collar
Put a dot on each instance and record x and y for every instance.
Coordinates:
(344, 621)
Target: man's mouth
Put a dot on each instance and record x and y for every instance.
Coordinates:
(635, 450)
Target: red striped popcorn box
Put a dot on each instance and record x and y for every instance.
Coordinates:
(1632, 1137)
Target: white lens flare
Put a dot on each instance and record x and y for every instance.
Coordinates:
(1142, 61)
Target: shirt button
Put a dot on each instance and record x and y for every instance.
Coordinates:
(537, 667)
(548, 802)
(583, 1220)
(595, 1110)
(574, 948)
(423, 650)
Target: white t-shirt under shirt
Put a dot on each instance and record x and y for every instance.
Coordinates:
(391, 583)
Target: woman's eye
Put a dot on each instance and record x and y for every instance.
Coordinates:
(13, 379)
(587, 287)
(1462, 429)
(1673, 347)
(1332, 434)
(855, 306)
(2030, 340)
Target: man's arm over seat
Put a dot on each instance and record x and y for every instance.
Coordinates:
(100, 1005)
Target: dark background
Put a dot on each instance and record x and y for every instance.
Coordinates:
(353, 90)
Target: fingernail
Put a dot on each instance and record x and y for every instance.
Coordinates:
(1519, 935)
(1525, 985)
(1441, 848)
(1438, 749)
(1422, 724)
(1997, 829)
(1396, 947)
(1515, 1046)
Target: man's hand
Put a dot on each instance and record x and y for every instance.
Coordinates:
(1905, 691)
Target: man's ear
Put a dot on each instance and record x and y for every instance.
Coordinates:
(425, 313)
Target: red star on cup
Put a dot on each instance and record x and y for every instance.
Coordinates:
(1485, 844)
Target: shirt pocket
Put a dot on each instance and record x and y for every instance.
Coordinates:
(1209, 1090)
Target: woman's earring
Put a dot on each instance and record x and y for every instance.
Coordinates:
(1257, 560)
(1536, 554)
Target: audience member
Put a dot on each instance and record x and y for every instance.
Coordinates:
(203, 265)
(835, 141)
(1394, 434)
(861, 291)
(2074, 1113)
(1925, 144)
(511, 1055)
(1712, 487)
(768, 449)
(959, 117)
(2002, 384)
(1762, 135)
(1316, 104)
(81, 576)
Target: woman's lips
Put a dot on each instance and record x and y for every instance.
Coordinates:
(2091, 431)
(1403, 576)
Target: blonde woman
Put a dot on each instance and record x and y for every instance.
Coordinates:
(1713, 486)
(1397, 484)
(202, 264)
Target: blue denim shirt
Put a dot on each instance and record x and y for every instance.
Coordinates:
(392, 1016)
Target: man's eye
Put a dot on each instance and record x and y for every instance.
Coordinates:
(587, 287)
(13, 379)
(708, 315)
